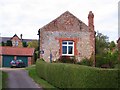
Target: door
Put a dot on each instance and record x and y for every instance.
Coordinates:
(24, 59)
(7, 60)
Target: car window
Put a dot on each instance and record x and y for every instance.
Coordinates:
(13, 61)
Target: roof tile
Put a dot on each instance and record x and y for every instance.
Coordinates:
(16, 51)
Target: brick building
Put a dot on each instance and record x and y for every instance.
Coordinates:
(7, 54)
(16, 41)
(16, 51)
(118, 41)
(68, 36)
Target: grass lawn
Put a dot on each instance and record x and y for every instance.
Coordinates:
(3, 77)
(0, 80)
(44, 84)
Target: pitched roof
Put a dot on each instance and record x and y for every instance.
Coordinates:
(20, 51)
(5, 39)
(15, 36)
(61, 21)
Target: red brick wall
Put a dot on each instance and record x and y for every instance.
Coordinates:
(75, 40)
(119, 47)
(29, 60)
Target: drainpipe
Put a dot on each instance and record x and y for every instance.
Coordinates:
(39, 44)
(95, 49)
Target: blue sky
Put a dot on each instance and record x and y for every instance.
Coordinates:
(27, 16)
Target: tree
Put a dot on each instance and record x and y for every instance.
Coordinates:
(9, 43)
(112, 45)
(102, 43)
(106, 52)
(2, 44)
(33, 44)
(24, 44)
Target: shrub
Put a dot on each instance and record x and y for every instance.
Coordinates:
(77, 76)
(86, 62)
(109, 59)
(101, 60)
(67, 59)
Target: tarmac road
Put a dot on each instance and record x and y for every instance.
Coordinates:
(18, 78)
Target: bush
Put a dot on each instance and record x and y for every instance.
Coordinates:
(86, 62)
(77, 76)
(67, 59)
(101, 60)
(108, 59)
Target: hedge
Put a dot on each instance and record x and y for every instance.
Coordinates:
(77, 76)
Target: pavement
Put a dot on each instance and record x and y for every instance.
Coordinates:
(18, 78)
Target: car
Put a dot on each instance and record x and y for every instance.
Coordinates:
(17, 63)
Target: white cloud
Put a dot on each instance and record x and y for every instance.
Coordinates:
(27, 16)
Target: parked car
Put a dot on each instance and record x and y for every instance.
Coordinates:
(17, 63)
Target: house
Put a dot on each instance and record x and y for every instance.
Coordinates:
(16, 51)
(16, 41)
(7, 54)
(118, 41)
(67, 36)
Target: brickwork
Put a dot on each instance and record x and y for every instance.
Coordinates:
(67, 27)
(118, 43)
(16, 38)
(119, 46)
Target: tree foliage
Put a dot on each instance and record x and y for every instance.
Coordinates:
(2, 44)
(24, 44)
(112, 45)
(33, 44)
(9, 43)
(106, 52)
(102, 43)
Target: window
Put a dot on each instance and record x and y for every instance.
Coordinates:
(15, 43)
(68, 48)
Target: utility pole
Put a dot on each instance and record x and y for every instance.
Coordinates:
(39, 43)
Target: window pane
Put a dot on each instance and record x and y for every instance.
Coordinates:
(70, 43)
(64, 49)
(64, 42)
(70, 49)
(16, 43)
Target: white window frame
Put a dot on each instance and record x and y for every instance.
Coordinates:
(16, 43)
(13, 43)
(67, 45)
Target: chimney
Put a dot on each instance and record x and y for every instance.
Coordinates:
(21, 36)
(91, 21)
(92, 35)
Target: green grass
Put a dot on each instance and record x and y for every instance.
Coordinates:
(44, 84)
(0, 80)
(3, 80)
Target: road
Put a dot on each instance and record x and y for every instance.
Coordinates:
(19, 78)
